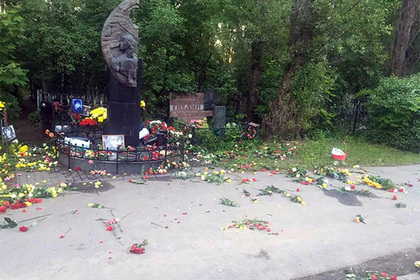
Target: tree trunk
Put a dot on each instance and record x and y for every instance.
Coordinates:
(402, 37)
(281, 119)
(256, 70)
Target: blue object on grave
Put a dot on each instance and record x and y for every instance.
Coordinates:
(77, 106)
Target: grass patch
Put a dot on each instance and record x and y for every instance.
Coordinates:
(316, 153)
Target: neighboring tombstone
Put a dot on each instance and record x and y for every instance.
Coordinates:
(219, 117)
(209, 99)
(119, 48)
(188, 107)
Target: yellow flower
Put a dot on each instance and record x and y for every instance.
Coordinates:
(142, 104)
(303, 203)
(222, 172)
(205, 173)
(90, 204)
(299, 198)
(28, 203)
(203, 178)
(2, 105)
(229, 181)
(324, 185)
(255, 201)
(23, 149)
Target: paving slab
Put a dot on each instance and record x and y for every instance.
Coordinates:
(318, 237)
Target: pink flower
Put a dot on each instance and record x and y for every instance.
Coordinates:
(110, 228)
(253, 179)
(395, 197)
(298, 190)
(384, 274)
(393, 277)
(90, 161)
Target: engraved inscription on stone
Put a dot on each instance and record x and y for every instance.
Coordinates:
(119, 43)
(188, 107)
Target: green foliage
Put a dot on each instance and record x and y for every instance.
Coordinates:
(11, 32)
(36, 119)
(312, 89)
(12, 105)
(394, 113)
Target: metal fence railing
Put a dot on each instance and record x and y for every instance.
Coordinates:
(120, 156)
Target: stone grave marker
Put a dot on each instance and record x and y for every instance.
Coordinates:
(188, 107)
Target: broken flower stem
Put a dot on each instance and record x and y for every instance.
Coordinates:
(37, 217)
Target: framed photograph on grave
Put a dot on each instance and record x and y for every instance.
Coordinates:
(62, 128)
(77, 106)
(113, 142)
(86, 110)
(8, 133)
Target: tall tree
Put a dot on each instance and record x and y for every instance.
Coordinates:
(403, 36)
(281, 119)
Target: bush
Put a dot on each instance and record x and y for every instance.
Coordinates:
(36, 119)
(394, 113)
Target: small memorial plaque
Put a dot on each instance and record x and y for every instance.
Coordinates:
(188, 107)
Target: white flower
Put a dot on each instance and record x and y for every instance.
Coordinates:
(347, 188)
(298, 175)
(294, 169)
(13, 195)
(30, 195)
(189, 135)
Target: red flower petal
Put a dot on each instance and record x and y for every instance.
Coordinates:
(23, 228)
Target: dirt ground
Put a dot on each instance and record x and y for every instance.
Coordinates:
(182, 220)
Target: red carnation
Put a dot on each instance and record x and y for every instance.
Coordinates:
(3, 209)
(395, 197)
(298, 190)
(384, 274)
(391, 190)
(393, 277)
(78, 168)
(110, 228)
(352, 187)
(38, 200)
(23, 228)
(374, 277)
(15, 206)
(6, 203)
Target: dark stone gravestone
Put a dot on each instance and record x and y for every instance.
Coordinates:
(119, 47)
(209, 99)
(219, 120)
